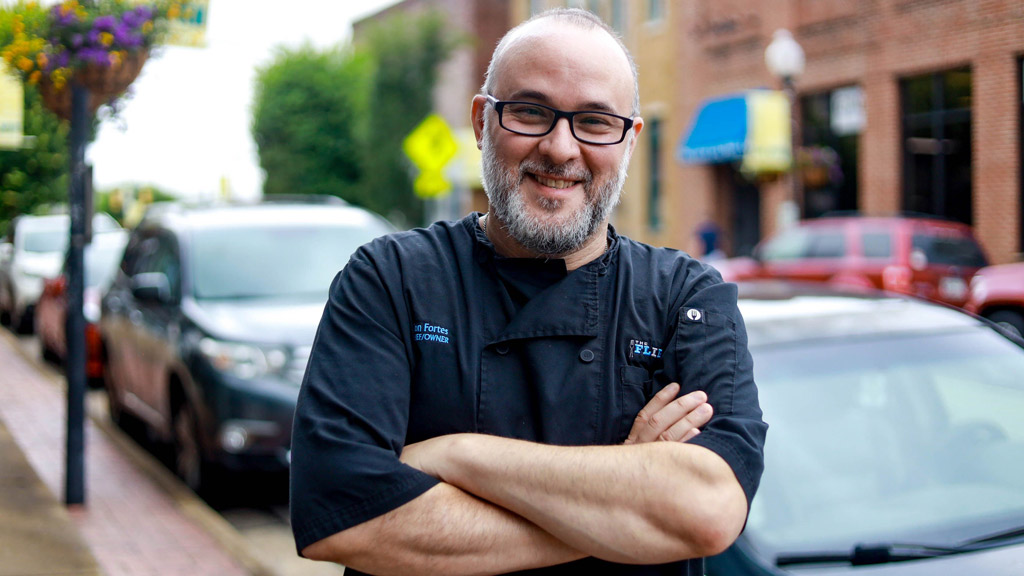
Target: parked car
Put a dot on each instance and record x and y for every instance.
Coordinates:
(926, 257)
(997, 293)
(32, 250)
(101, 258)
(209, 324)
(895, 440)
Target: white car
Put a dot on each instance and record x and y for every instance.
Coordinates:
(33, 250)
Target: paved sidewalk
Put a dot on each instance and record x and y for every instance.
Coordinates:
(133, 523)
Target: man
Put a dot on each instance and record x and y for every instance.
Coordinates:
(526, 390)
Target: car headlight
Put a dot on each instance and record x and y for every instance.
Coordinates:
(243, 360)
(979, 288)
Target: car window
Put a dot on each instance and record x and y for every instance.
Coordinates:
(877, 244)
(885, 440)
(950, 250)
(42, 241)
(804, 243)
(278, 261)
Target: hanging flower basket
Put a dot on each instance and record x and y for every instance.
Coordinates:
(105, 84)
(100, 44)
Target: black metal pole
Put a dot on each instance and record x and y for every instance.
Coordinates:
(74, 489)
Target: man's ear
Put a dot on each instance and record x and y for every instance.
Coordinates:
(638, 127)
(479, 107)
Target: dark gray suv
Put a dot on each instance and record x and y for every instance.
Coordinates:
(209, 324)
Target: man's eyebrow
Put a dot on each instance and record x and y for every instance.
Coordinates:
(542, 98)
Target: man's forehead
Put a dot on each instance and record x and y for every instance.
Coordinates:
(582, 54)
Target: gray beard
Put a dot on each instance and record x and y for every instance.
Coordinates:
(535, 234)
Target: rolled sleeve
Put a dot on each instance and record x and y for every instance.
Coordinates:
(352, 413)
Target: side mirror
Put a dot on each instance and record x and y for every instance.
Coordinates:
(151, 287)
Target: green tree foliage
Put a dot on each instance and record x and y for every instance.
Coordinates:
(306, 121)
(408, 50)
(332, 122)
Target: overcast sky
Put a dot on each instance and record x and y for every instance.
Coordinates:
(187, 127)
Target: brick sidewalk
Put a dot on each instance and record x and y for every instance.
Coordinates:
(132, 525)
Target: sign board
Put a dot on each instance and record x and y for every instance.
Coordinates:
(430, 146)
(847, 110)
(12, 109)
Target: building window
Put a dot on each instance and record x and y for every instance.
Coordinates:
(831, 126)
(653, 129)
(937, 144)
(655, 10)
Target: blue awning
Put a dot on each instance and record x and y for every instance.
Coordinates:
(751, 126)
(718, 132)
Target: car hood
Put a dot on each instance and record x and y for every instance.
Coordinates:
(1002, 561)
(261, 321)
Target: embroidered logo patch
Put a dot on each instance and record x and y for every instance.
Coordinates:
(693, 315)
(427, 332)
(641, 348)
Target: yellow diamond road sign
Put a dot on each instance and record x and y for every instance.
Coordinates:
(431, 144)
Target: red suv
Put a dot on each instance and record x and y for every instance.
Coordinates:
(927, 257)
(997, 293)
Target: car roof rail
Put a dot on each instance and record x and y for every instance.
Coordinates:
(303, 199)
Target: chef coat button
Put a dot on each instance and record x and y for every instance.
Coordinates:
(587, 355)
(502, 349)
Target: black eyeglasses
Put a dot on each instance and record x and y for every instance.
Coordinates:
(532, 119)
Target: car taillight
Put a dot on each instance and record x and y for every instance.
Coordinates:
(93, 352)
(897, 279)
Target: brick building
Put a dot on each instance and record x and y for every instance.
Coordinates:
(920, 101)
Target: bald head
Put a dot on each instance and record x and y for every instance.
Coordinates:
(550, 22)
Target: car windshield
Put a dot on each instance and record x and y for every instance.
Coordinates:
(40, 241)
(101, 260)
(900, 439)
(274, 261)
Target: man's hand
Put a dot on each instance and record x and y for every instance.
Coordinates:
(671, 419)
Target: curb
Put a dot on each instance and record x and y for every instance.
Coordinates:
(186, 501)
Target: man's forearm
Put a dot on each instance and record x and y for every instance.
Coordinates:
(647, 503)
(444, 531)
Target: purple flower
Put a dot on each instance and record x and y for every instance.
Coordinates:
(104, 23)
(94, 37)
(97, 56)
(124, 36)
(144, 13)
(131, 19)
(63, 16)
(76, 41)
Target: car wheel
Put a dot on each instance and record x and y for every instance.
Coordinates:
(22, 323)
(1012, 322)
(189, 463)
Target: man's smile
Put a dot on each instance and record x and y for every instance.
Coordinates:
(556, 183)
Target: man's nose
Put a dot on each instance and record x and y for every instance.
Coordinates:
(560, 145)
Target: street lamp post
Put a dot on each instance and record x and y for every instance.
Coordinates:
(785, 60)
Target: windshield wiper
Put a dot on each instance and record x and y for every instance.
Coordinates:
(1009, 534)
(866, 554)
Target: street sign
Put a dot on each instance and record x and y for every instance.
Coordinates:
(430, 146)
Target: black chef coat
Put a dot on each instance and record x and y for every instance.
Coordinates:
(420, 338)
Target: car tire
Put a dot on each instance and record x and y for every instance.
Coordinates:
(22, 323)
(1009, 320)
(190, 465)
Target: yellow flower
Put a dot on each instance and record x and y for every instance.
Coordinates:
(116, 58)
(147, 27)
(106, 38)
(26, 64)
(33, 78)
(173, 12)
(41, 60)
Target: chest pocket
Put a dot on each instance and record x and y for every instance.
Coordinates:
(705, 353)
(636, 387)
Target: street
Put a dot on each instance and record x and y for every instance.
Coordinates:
(257, 510)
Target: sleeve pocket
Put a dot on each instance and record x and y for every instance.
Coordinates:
(705, 355)
(635, 385)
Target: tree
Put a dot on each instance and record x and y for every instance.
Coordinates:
(407, 50)
(307, 116)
